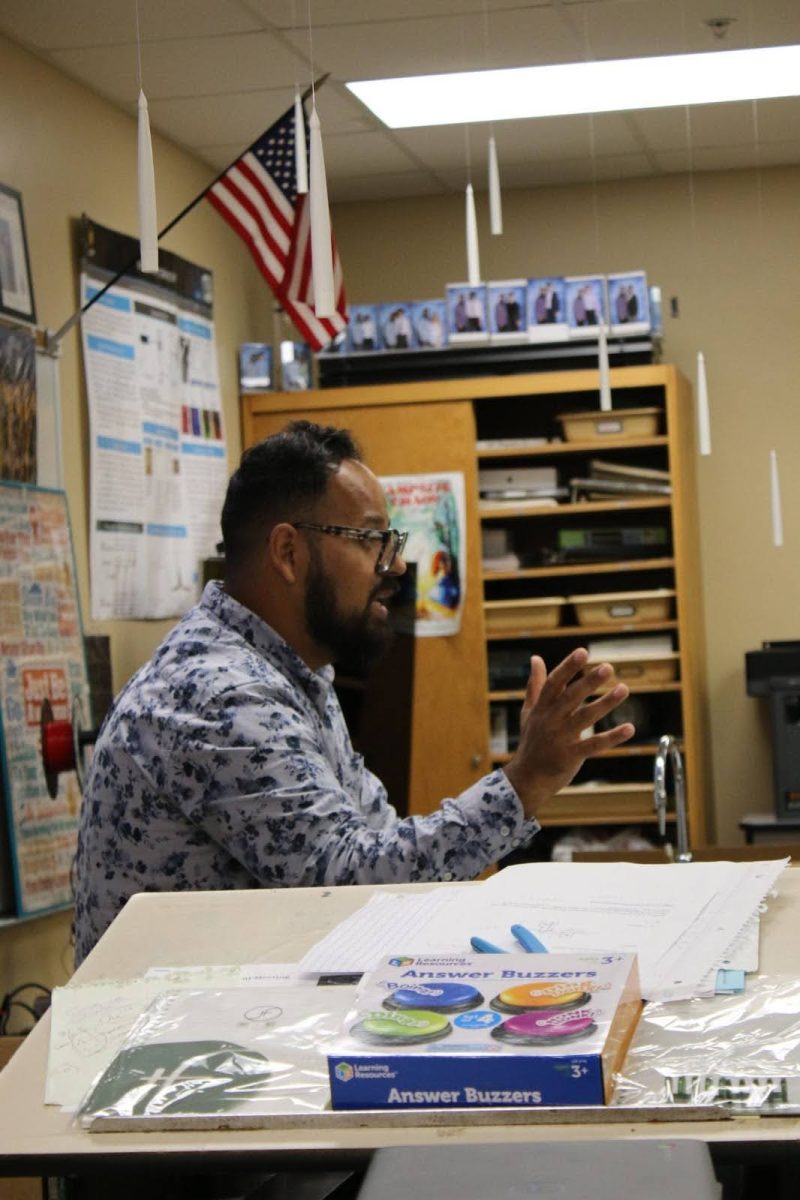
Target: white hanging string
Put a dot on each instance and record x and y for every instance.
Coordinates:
(473, 253)
(471, 224)
(148, 219)
(703, 415)
(300, 159)
(300, 156)
(775, 499)
(319, 212)
(602, 354)
(495, 200)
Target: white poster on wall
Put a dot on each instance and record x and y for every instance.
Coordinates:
(158, 461)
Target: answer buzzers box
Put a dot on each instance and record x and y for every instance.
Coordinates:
(477, 1031)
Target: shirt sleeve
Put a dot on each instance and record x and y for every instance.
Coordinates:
(261, 781)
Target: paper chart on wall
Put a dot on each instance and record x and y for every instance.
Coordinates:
(158, 456)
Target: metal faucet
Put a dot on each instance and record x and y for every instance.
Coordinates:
(668, 749)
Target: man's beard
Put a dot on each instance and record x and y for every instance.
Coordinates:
(354, 639)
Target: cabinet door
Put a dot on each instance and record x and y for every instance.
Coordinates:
(449, 740)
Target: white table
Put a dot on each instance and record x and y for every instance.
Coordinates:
(279, 926)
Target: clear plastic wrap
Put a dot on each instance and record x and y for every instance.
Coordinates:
(220, 1057)
(741, 1052)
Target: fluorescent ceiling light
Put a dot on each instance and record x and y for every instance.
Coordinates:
(626, 83)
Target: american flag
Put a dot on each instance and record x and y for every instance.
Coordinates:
(257, 196)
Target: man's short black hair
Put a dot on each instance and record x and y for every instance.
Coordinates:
(280, 479)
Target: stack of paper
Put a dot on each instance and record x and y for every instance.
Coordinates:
(682, 920)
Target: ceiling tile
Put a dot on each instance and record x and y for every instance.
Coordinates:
(241, 117)
(287, 14)
(52, 24)
(444, 146)
(364, 154)
(433, 44)
(190, 67)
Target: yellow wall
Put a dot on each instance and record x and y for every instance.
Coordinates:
(731, 262)
(67, 151)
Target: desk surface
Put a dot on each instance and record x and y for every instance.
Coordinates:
(279, 926)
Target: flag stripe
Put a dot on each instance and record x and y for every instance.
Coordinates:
(248, 228)
(257, 197)
(248, 194)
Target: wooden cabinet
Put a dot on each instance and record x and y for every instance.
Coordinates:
(460, 683)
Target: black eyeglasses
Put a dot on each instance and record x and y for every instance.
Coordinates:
(392, 540)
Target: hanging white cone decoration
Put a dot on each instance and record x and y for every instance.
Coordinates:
(148, 221)
(321, 252)
(495, 201)
(775, 499)
(602, 362)
(473, 254)
(300, 159)
(703, 417)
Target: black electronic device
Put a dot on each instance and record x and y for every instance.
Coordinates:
(774, 672)
(775, 666)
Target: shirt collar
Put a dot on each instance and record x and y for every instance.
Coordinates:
(266, 642)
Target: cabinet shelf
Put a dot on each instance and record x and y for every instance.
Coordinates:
(635, 750)
(581, 631)
(515, 512)
(588, 568)
(633, 688)
(594, 447)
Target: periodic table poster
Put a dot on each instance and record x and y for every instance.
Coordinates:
(41, 658)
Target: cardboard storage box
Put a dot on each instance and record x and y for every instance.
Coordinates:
(596, 803)
(482, 1031)
(620, 423)
(662, 668)
(614, 608)
(524, 614)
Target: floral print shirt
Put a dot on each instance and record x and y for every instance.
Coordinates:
(225, 762)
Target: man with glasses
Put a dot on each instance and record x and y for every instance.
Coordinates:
(225, 761)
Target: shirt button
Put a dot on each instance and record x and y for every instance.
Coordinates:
(515, 841)
(504, 830)
(448, 875)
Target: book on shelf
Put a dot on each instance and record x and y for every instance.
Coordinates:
(501, 562)
(514, 498)
(600, 468)
(657, 646)
(510, 443)
(602, 489)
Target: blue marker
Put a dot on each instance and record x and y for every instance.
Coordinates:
(527, 940)
(484, 947)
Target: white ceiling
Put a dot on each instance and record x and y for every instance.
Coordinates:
(218, 72)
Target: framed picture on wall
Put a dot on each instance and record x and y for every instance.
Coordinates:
(16, 287)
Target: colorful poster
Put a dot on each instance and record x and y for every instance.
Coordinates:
(431, 508)
(41, 658)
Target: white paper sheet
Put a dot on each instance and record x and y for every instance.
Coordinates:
(680, 920)
(389, 923)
